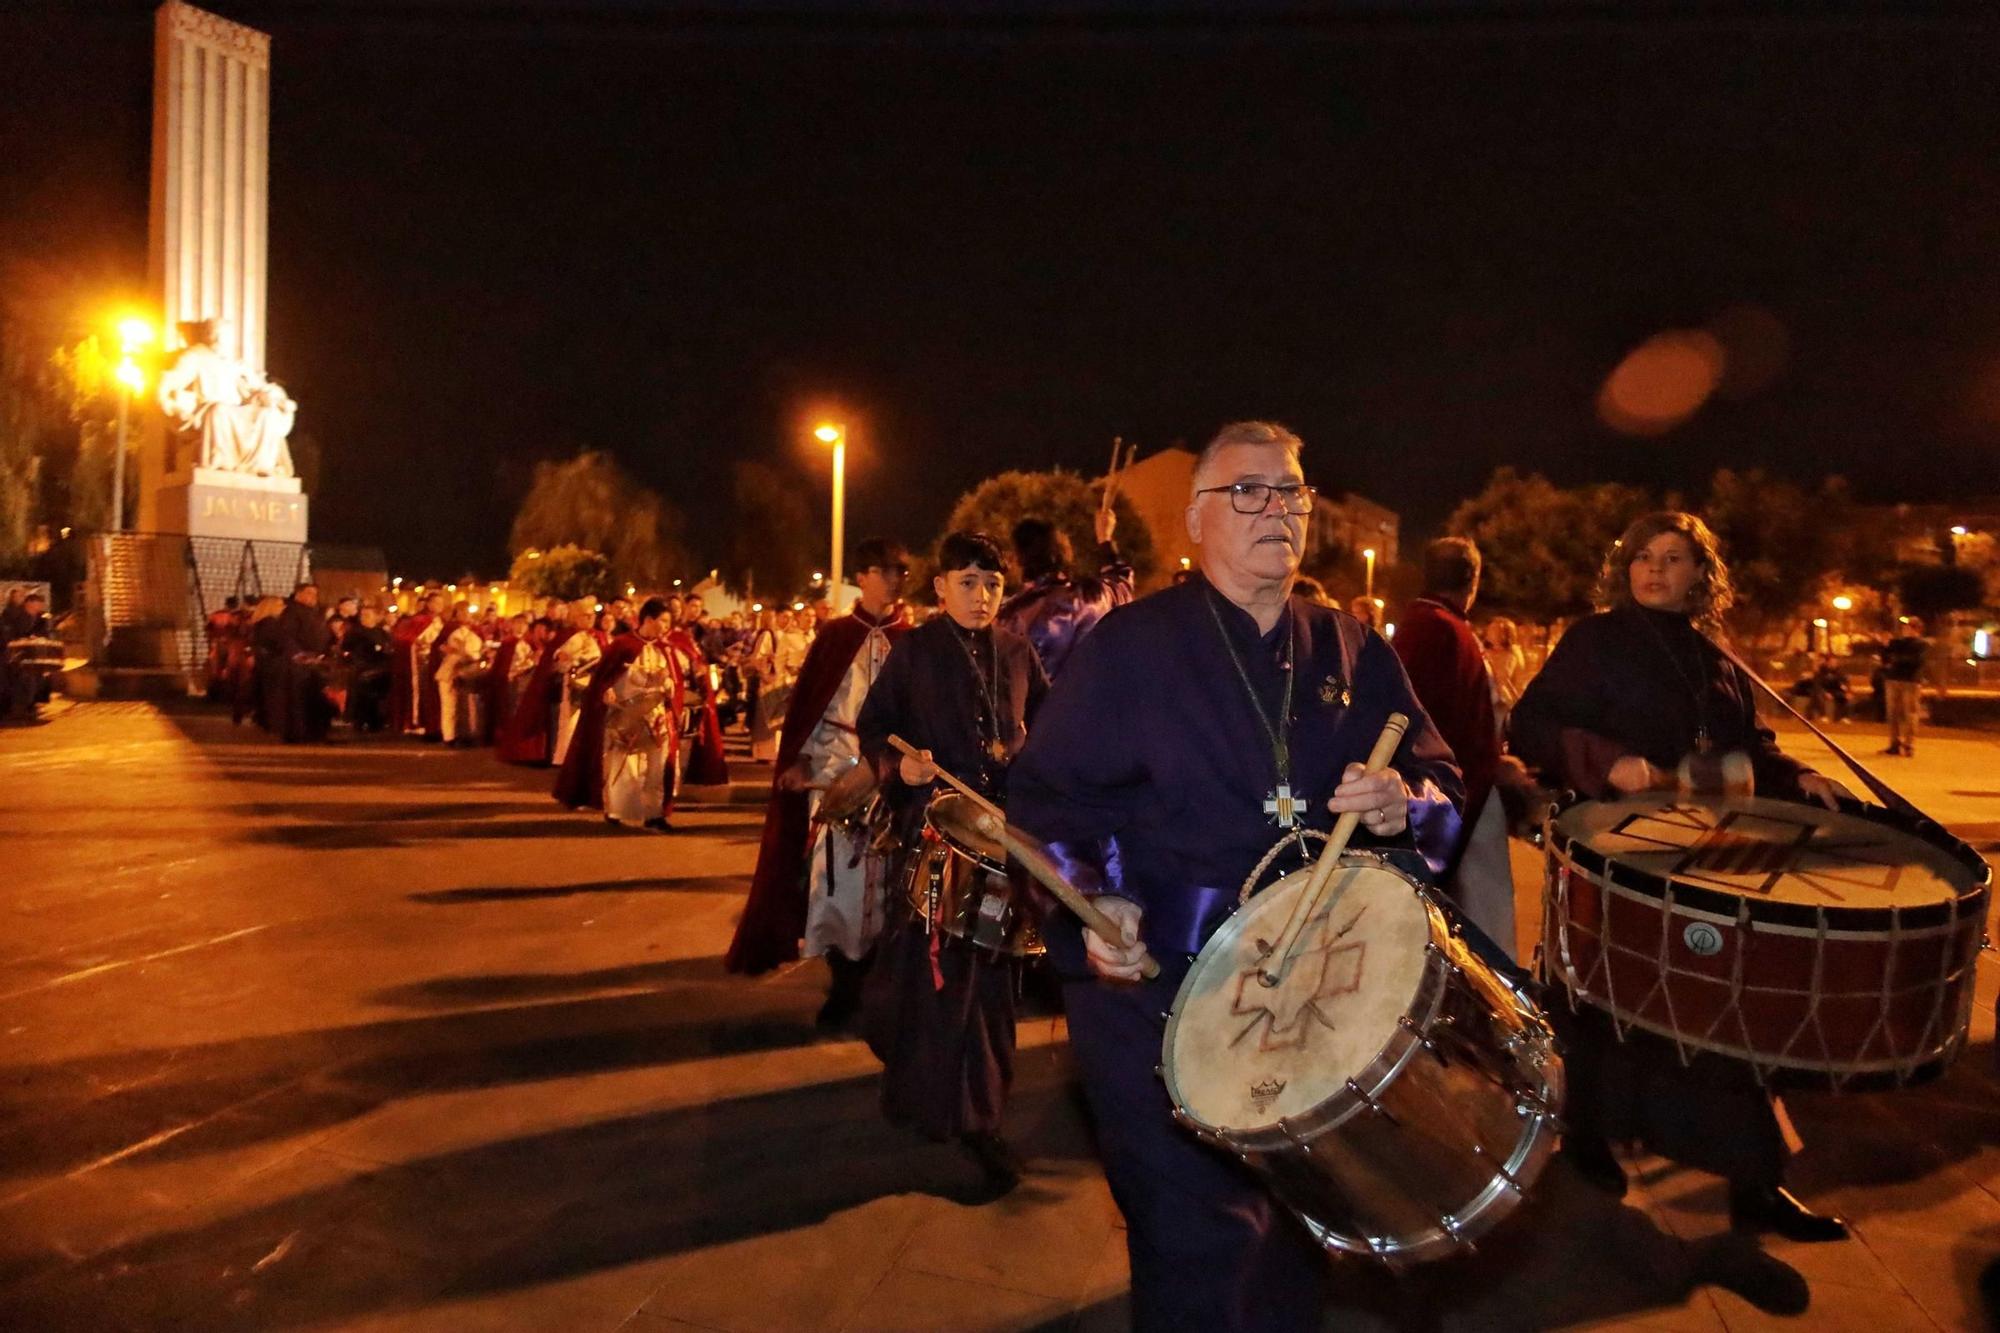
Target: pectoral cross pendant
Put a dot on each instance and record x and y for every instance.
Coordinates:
(1282, 806)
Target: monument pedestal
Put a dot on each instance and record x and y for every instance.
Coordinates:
(232, 507)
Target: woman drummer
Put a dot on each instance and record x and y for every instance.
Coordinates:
(1627, 694)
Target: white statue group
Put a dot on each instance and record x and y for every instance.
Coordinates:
(238, 418)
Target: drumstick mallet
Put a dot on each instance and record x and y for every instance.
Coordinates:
(1032, 860)
(1306, 906)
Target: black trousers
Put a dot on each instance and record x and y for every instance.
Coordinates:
(1710, 1114)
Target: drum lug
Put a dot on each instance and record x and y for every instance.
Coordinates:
(1409, 1025)
(1371, 1103)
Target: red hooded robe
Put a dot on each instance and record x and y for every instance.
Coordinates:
(403, 673)
(524, 737)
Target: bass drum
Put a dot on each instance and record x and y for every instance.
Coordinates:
(1820, 947)
(1393, 1090)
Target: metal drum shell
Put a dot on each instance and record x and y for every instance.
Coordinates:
(1366, 1170)
(935, 882)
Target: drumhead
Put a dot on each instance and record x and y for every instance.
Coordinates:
(1240, 1056)
(955, 818)
(1780, 855)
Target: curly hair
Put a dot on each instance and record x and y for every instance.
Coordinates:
(1712, 594)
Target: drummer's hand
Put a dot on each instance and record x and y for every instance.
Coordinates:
(1819, 787)
(1633, 773)
(793, 778)
(1381, 798)
(1116, 962)
(1105, 524)
(917, 770)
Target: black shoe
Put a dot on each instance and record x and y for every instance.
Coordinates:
(1775, 1208)
(997, 1159)
(1593, 1159)
(835, 1013)
(659, 826)
(1737, 1263)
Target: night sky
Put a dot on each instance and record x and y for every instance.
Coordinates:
(1420, 234)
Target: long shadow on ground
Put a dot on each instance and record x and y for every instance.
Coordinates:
(517, 1213)
(58, 1117)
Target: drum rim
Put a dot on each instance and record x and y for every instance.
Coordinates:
(916, 868)
(944, 835)
(1403, 1044)
(1971, 899)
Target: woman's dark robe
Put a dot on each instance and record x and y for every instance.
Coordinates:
(1633, 681)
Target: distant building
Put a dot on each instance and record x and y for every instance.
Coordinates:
(1158, 487)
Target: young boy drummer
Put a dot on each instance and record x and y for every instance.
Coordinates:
(940, 1011)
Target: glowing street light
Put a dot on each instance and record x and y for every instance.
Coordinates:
(1843, 603)
(1369, 555)
(832, 433)
(134, 334)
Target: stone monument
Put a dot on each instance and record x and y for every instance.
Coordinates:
(215, 463)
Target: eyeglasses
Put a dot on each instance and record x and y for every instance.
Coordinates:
(1254, 497)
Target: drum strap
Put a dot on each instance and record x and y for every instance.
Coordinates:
(1882, 791)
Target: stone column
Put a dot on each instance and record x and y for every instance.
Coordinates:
(211, 140)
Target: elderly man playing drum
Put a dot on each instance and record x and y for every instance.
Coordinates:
(1191, 731)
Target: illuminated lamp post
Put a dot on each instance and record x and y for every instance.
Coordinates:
(133, 335)
(828, 432)
(1369, 556)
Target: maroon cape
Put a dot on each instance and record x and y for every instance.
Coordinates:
(497, 710)
(708, 766)
(1447, 670)
(774, 916)
(430, 703)
(580, 782)
(402, 676)
(523, 737)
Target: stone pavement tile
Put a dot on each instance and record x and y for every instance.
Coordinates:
(68, 1219)
(1833, 1310)
(1045, 1237)
(224, 1281)
(811, 1278)
(1105, 1305)
(1941, 1273)
(908, 1301)
(450, 1120)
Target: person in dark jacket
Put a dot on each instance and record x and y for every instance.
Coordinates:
(1626, 695)
(939, 1011)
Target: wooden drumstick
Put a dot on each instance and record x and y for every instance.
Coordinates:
(1307, 904)
(993, 821)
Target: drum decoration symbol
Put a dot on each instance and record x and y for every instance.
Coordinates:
(1702, 939)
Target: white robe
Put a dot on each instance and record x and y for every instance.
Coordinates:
(639, 736)
(574, 662)
(420, 656)
(459, 709)
(846, 883)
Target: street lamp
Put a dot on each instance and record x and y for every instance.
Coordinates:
(134, 334)
(828, 432)
(1369, 556)
(1843, 603)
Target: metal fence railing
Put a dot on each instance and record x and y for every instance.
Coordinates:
(161, 586)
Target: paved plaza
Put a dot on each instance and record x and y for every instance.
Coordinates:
(374, 1035)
